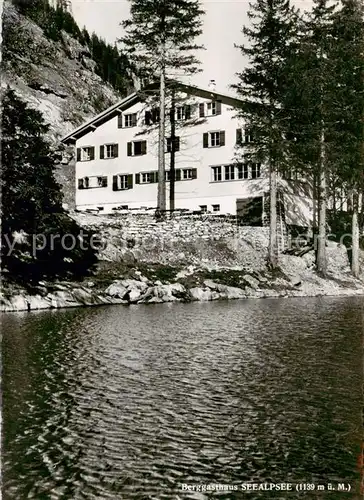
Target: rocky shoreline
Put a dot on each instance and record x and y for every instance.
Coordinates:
(141, 290)
(183, 260)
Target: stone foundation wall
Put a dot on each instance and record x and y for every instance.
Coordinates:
(198, 240)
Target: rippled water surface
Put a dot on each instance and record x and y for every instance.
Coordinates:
(131, 402)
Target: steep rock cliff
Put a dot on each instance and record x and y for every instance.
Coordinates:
(56, 77)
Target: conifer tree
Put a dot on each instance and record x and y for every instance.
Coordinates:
(348, 109)
(31, 202)
(160, 40)
(262, 87)
(311, 97)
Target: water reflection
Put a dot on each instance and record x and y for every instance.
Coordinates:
(130, 402)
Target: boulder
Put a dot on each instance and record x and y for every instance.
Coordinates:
(155, 300)
(225, 291)
(127, 289)
(166, 293)
(133, 295)
(200, 294)
(38, 302)
(231, 292)
(147, 295)
(253, 282)
(337, 259)
(211, 284)
(116, 290)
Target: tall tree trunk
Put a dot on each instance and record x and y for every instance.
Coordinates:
(172, 173)
(273, 243)
(161, 202)
(355, 237)
(321, 240)
(349, 202)
(314, 205)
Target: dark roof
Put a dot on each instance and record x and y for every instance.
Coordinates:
(135, 97)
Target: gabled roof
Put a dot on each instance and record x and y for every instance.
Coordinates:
(136, 97)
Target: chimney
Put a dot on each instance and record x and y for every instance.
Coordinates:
(212, 85)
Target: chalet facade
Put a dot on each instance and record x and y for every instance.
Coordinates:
(117, 156)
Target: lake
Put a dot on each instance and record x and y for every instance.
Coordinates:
(135, 402)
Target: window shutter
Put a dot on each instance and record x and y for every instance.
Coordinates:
(206, 140)
(194, 173)
(114, 182)
(144, 147)
(176, 143)
(101, 152)
(116, 150)
(120, 121)
(188, 112)
(178, 174)
(154, 177)
(202, 109)
(239, 136)
(92, 153)
(147, 117)
(129, 149)
(222, 138)
(104, 182)
(169, 145)
(133, 120)
(78, 154)
(218, 107)
(137, 178)
(130, 181)
(80, 183)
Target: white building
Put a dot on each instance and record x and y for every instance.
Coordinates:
(117, 156)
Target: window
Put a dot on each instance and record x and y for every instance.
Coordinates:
(109, 151)
(146, 177)
(215, 208)
(169, 144)
(130, 120)
(255, 169)
(187, 173)
(247, 135)
(235, 172)
(242, 171)
(137, 148)
(102, 181)
(127, 120)
(214, 139)
(92, 182)
(229, 172)
(216, 174)
(203, 208)
(151, 116)
(121, 182)
(244, 135)
(211, 108)
(183, 112)
(86, 153)
(167, 175)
